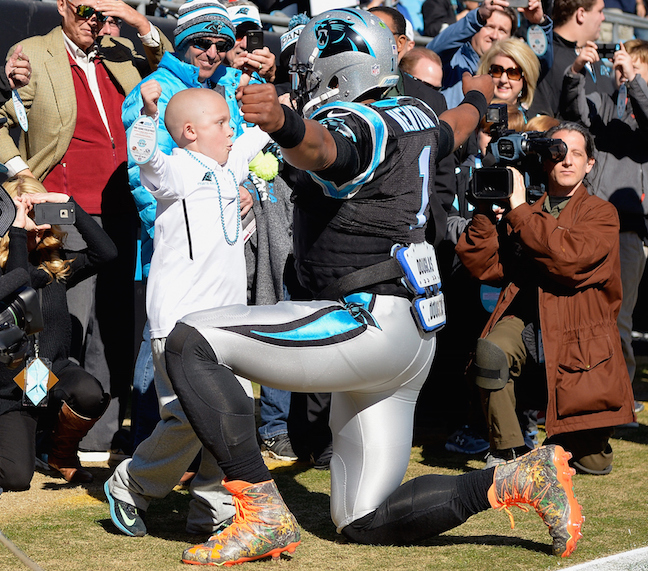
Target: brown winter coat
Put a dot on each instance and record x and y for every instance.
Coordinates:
(574, 263)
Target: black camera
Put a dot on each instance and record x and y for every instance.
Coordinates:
(524, 151)
(22, 309)
(20, 316)
(607, 50)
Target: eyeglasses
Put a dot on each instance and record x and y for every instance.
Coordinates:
(86, 12)
(513, 73)
(205, 45)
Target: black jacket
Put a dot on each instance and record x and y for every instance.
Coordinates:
(547, 97)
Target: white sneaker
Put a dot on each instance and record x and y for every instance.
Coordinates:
(94, 456)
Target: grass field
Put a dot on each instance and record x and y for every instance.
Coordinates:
(68, 528)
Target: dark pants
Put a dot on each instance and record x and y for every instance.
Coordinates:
(503, 407)
(17, 449)
(103, 324)
(82, 393)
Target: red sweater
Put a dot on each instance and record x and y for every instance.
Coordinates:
(94, 163)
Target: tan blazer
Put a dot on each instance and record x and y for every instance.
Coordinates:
(50, 100)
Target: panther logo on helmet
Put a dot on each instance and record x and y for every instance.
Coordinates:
(338, 36)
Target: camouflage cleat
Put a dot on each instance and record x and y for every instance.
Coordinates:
(542, 479)
(263, 526)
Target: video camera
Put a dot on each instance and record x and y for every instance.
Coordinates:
(524, 151)
(20, 316)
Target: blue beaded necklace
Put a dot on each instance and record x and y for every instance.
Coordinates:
(220, 200)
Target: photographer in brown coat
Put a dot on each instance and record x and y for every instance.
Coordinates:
(557, 262)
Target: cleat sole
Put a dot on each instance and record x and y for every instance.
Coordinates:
(274, 553)
(564, 474)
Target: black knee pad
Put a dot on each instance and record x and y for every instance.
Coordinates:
(220, 411)
(178, 338)
(491, 366)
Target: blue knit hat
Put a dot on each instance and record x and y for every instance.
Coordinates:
(295, 26)
(203, 19)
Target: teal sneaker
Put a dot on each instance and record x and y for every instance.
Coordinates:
(126, 517)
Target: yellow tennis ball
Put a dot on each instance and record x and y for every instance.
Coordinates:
(265, 166)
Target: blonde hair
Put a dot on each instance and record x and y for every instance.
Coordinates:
(637, 49)
(523, 56)
(541, 123)
(46, 255)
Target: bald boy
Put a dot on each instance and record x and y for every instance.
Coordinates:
(197, 119)
(198, 263)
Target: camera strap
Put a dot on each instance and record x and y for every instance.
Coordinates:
(36, 380)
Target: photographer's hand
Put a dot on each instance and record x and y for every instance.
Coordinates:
(489, 6)
(262, 61)
(518, 196)
(586, 54)
(24, 206)
(534, 13)
(39, 198)
(21, 212)
(623, 62)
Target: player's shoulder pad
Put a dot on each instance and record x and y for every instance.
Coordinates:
(346, 118)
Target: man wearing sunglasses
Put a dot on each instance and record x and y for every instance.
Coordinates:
(462, 44)
(111, 27)
(73, 109)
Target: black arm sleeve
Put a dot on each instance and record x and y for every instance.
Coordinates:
(17, 255)
(101, 248)
(446, 141)
(348, 162)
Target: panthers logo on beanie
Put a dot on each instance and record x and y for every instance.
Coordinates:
(215, 27)
(338, 36)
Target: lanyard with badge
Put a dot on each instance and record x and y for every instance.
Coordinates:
(36, 379)
(622, 100)
(142, 139)
(537, 40)
(19, 107)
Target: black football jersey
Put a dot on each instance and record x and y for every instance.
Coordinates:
(350, 219)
